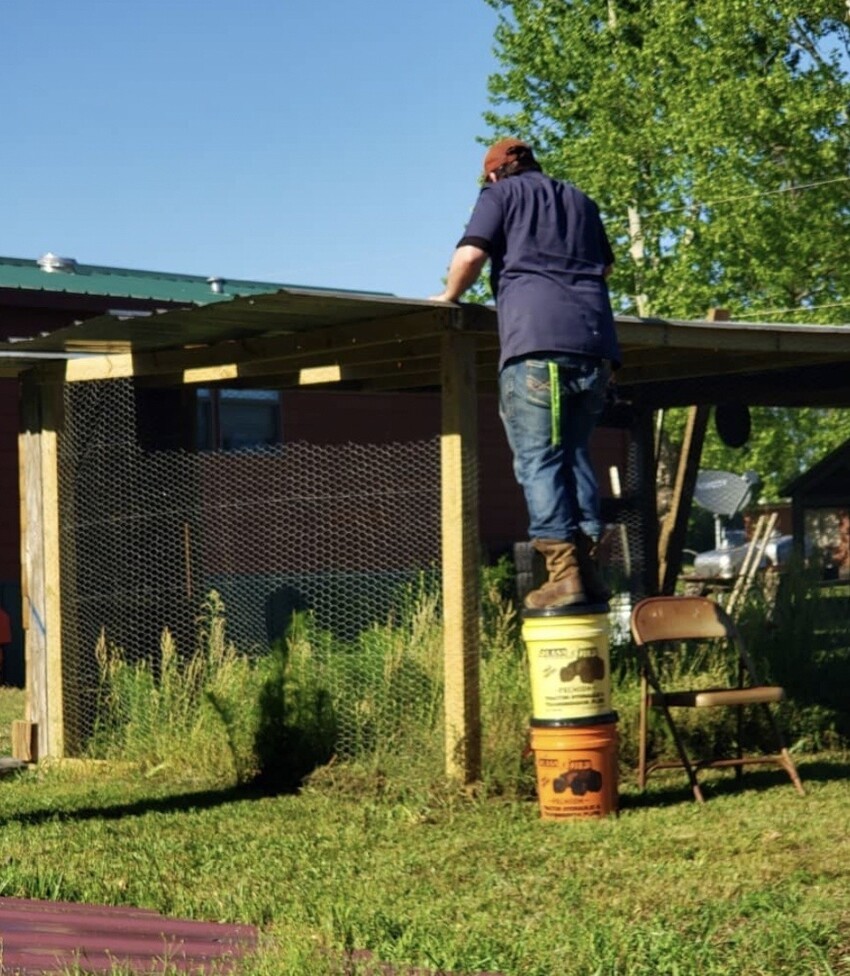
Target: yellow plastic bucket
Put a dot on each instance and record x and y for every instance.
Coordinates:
(576, 770)
(568, 660)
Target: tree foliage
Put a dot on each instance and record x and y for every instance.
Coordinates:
(715, 138)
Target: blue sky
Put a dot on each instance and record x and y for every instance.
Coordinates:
(325, 142)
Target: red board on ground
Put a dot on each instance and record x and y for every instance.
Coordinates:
(41, 937)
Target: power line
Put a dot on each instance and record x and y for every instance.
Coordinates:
(752, 196)
(745, 196)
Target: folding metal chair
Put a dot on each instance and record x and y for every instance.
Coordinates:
(662, 624)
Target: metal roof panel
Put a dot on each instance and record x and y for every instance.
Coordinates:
(87, 279)
(283, 312)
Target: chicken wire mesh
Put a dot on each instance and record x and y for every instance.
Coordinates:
(343, 537)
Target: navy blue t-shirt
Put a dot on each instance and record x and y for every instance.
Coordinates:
(548, 250)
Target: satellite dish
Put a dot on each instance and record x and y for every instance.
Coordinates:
(732, 421)
(724, 493)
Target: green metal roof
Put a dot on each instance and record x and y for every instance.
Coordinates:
(18, 274)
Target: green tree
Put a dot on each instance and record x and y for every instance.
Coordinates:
(783, 444)
(715, 138)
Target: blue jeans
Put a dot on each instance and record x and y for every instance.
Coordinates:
(550, 447)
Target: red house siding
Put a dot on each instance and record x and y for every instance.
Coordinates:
(10, 556)
(320, 417)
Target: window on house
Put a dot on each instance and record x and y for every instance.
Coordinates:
(233, 420)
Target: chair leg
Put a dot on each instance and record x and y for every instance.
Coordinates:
(739, 747)
(785, 759)
(790, 767)
(680, 746)
(650, 680)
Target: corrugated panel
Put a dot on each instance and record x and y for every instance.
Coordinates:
(280, 313)
(40, 937)
(46, 938)
(383, 342)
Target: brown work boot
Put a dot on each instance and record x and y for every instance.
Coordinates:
(594, 585)
(564, 587)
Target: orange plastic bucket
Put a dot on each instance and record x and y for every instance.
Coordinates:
(568, 662)
(576, 768)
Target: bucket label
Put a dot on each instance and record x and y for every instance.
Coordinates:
(569, 678)
(576, 690)
(578, 779)
(577, 791)
(575, 811)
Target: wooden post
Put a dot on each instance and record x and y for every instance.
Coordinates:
(460, 557)
(41, 419)
(672, 536)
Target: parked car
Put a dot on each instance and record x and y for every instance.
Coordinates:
(726, 561)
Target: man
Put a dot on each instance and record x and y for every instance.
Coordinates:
(549, 260)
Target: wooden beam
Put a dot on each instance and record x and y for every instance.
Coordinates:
(460, 548)
(672, 537)
(113, 366)
(676, 365)
(266, 355)
(41, 419)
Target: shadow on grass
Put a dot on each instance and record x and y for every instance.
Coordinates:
(670, 791)
(665, 790)
(181, 803)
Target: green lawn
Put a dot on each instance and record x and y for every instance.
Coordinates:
(754, 882)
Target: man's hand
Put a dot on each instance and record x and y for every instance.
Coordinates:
(467, 262)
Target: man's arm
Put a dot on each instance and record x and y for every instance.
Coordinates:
(467, 262)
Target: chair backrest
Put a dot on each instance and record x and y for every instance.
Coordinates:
(661, 618)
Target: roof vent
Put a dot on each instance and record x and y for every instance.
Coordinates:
(52, 262)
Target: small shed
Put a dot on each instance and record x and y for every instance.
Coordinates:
(820, 511)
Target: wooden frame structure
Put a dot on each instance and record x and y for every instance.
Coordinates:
(297, 337)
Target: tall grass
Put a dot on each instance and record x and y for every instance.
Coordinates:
(367, 714)
(197, 715)
(505, 689)
(801, 640)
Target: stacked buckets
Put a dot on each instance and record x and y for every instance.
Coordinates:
(573, 729)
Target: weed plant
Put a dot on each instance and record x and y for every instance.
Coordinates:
(185, 714)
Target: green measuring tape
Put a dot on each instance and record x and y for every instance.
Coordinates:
(555, 396)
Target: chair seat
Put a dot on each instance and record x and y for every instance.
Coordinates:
(711, 697)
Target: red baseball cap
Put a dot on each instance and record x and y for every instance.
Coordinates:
(501, 152)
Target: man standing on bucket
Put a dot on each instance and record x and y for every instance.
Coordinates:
(549, 261)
